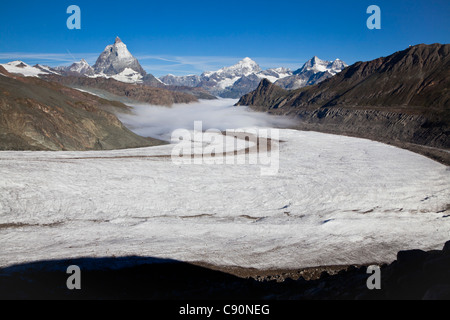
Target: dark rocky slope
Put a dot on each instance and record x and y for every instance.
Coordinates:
(137, 92)
(403, 99)
(40, 115)
(415, 275)
(199, 93)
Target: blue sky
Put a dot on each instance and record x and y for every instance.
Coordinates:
(188, 37)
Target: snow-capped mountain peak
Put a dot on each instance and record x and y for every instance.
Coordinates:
(81, 67)
(115, 59)
(314, 64)
(128, 76)
(248, 63)
(83, 63)
(20, 67)
(121, 50)
(275, 74)
(312, 72)
(317, 65)
(244, 67)
(316, 60)
(17, 64)
(337, 66)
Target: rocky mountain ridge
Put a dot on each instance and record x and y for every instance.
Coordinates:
(403, 99)
(39, 115)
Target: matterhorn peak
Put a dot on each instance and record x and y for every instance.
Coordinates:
(115, 59)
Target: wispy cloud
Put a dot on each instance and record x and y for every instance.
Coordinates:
(52, 59)
(182, 65)
(158, 65)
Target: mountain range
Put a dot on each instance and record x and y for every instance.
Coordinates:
(403, 99)
(244, 77)
(116, 75)
(117, 63)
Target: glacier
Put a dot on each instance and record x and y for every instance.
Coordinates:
(336, 201)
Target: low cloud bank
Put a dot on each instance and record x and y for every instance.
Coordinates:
(159, 122)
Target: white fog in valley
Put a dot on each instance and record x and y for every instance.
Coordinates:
(335, 201)
(159, 122)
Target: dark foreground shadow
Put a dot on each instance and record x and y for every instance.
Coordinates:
(415, 275)
(121, 278)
